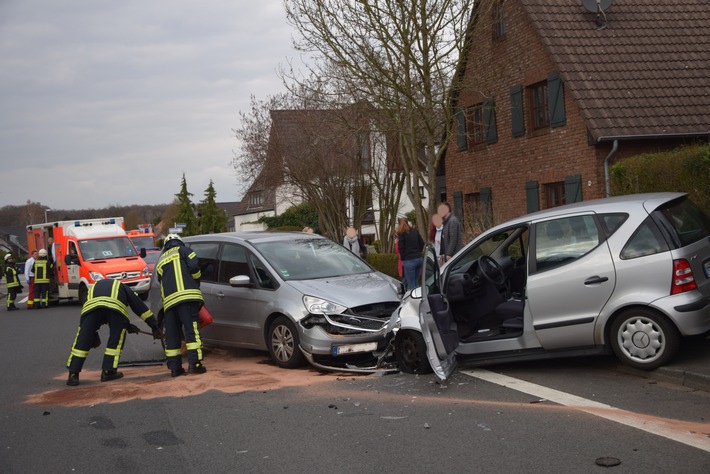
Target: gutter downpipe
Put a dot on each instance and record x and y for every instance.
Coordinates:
(607, 179)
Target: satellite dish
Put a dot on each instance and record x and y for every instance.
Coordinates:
(596, 6)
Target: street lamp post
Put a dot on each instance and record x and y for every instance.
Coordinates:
(45, 214)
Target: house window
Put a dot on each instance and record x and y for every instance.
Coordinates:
(498, 21)
(555, 194)
(363, 150)
(362, 205)
(538, 105)
(461, 138)
(476, 124)
(256, 199)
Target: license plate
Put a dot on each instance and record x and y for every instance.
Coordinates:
(706, 268)
(353, 348)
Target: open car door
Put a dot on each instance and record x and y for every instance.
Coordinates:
(437, 323)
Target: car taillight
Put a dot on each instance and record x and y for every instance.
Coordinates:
(683, 279)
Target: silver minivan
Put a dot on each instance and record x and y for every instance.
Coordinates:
(301, 297)
(628, 275)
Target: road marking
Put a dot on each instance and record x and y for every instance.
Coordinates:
(628, 418)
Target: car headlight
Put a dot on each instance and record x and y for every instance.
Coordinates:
(96, 276)
(145, 271)
(320, 306)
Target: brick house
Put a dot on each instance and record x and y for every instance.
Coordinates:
(546, 99)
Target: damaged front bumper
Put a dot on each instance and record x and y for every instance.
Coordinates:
(349, 343)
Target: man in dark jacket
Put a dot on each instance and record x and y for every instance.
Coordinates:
(107, 303)
(452, 234)
(13, 283)
(179, 277)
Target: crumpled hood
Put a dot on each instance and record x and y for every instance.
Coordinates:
(349, 290)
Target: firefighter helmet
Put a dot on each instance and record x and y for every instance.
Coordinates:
(174, 238)
(42, 252)
(8, 256)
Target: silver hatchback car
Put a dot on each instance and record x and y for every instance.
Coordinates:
(301, 297)
(628, 275)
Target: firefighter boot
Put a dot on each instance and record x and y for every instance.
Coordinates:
(73, 379)
(197, 369)
(108, 375)
(177, 372)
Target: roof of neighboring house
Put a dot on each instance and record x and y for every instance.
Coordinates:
(646, 74)
(15, 235)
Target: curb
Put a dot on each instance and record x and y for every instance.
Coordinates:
(676, 376)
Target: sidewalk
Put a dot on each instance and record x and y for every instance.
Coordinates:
(690, 367)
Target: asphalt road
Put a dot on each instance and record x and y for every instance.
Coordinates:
(249, 416)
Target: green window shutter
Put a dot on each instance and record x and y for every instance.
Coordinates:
(458, 205)
(532, 196)
(461, 139)
(489, 121)
(516, 111)
(573, 188)
(486, 202)
(556, 100)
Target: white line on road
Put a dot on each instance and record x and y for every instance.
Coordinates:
(634, 420)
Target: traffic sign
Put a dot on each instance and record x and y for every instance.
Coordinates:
(180, 226)
(175, 230)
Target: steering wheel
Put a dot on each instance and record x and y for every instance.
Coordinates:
(491, 270)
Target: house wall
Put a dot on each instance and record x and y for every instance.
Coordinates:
(547, 155)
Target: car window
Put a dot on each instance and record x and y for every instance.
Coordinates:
(685, 221)
(206, 259)
(485, 247)
(561, 241)
(262, 274)
(509, 243)
(647, 240)
(232, 262)
(612, 222)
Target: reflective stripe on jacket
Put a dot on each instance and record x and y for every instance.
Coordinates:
(41, 269)
(179, 276)
(11, 277)
(114, 295)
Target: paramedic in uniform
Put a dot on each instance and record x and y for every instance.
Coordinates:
(179, 277)
(30, 279)
(107, 303)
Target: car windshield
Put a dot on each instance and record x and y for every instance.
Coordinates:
(143, 242)
(151, 258)
(308, 259)
(110, 247)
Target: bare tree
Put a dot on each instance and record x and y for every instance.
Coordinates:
(401, 57)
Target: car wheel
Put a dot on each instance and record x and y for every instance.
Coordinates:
(410, 350)
(644, 339)
(282, 341)
(83, 294)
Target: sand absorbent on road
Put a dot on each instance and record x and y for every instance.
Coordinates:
(227, 372)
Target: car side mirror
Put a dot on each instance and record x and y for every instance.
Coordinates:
(71, 259)
(240, 281)
(143, 252)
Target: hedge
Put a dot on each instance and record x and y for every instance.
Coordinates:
(685, 169)
(384, 262)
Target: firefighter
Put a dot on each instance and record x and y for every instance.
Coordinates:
(30, 278)
(13, 283)
(41, 269)
(179, 276)
(107, 303)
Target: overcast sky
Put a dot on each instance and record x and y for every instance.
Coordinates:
(109, 101)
